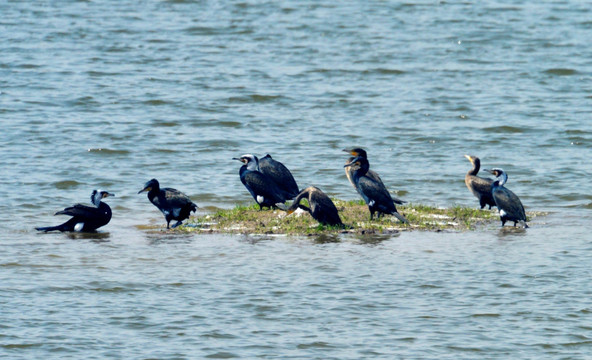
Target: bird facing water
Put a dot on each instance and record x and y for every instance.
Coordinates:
(263, 189)
(375, 194)
(480, 187)
(509, 205)
(321, 208)
(85, 218)
(171, 202)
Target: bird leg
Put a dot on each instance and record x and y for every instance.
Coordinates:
(177, 224)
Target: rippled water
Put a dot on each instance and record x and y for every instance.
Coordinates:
(110, 94)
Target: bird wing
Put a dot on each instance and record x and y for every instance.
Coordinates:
(259, 184)
(507, 201)
(172, 201)
(324, 210)
(481, 185)
(374, 176)
(280, 174)
(176, 198)
(79, 210)
(373, 191)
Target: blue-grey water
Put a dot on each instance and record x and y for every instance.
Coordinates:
(109, 94)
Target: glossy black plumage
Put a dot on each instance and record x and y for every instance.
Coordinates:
(321, 208)
(480, 187)
(349, 170)
(509, 205)
(279, 174)
(374, 193)
(263, 189)
(85, 218)
(171, 202)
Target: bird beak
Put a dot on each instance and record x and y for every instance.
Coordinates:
(148, 188)
(489, 171)
(107, 194)
(350, 151)
(352, 162)
(239, 159)
(469, 157)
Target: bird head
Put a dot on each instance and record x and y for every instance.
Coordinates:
(250, 160)
(98, 195)
(152, 184)
(472, 158)
(356, 152)
(497, 172)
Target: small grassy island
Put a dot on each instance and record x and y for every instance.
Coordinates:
(354, 214)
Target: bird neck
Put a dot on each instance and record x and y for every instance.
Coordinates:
(96, 200)
(153, 193)
(500, 181)
(503, 178)
(362, 169)
(297, 200)
(253, 165)
(476, 167)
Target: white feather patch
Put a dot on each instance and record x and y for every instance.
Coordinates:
(78, 227)
(371, 203)
(260, 199)
(502, 213)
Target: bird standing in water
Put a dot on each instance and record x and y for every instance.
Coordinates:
(171, 202)
(509, 205)
(321, 208)
(374, 193)
(349, 170)
(280, 175)
(263, 189)
(85, 218)
(480, 187)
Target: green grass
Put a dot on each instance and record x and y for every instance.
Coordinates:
(354, 214)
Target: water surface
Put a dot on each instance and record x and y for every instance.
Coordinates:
(109, 94)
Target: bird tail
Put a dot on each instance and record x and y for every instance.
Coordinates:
(194, 207)
(401, 218)
(51, 228)
(399, 201)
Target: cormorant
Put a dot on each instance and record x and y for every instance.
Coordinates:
(171, 202)
(321, 208)
(85, 218)
(509, 205)
(480, 187)
(349, 170)
(263, 189)
(374, 193)
(280, 174)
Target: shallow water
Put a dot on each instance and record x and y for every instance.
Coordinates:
(108, 95)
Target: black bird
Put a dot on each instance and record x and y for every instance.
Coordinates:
(263, 189)
(374, 194)
(280, 174)
(509, 205)
(349, 170)
(321, 208)
(85, 218)
(480, 187)
(171, 202)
